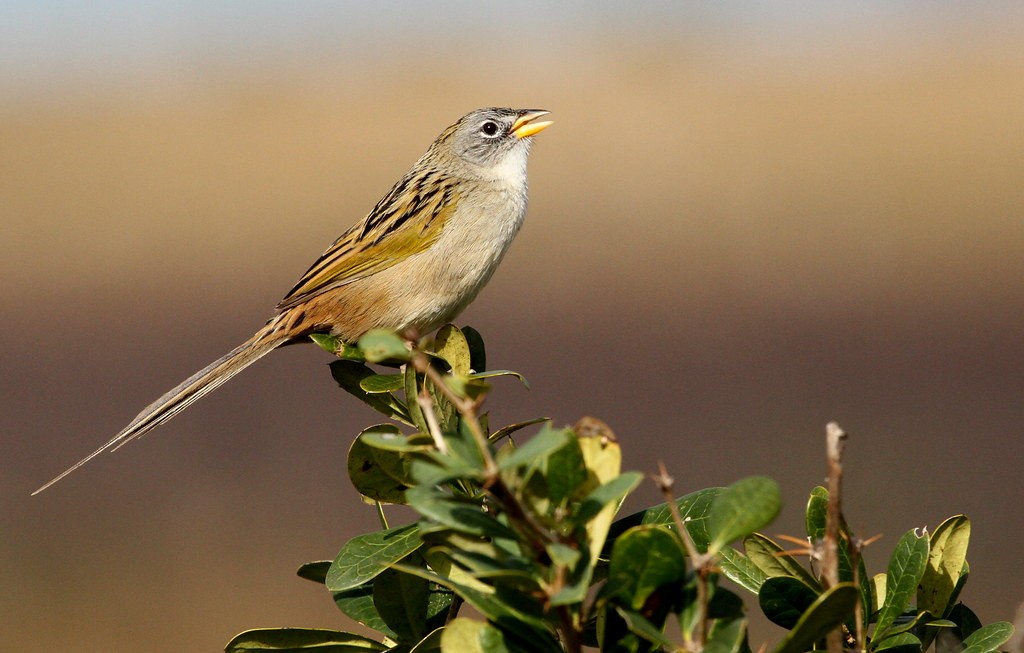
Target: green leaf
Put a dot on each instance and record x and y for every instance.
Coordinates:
(490, 374)
(326, 341)
(562, 555)
(988, 638)
(964, 574)
(640, 626)
(769, 558)
(439, 604)
(364, 557)
(376, 473)
(401, 601)
(827, 613)
(379, 345)
(817, 511)
(951, 640)
(464, 635)
(524, 613)
(381, 383)
(466, 387)
(602, 458)
(944, 573)
(477, 351)
(429, 644)
(877, 592)
(445, 411)
(451, 345)
(946, 557)
(966, 621)
(613, 634)
(900, 643)
(462, 515)
(726, 636)
(644, 558)
(576, 584)
(436, 469)
(315, 571)
(739, 569)
(335, 345)
(463, 446)
(412, 390)
(564, 472)
(906, 566)
(357, 604)
(506, 431)
(722, 605)
(725, 604)
(540, 445)
(610, 493)
(348, 375)
(742, 508)
(496, 567)
(299, 639)
(693, 508)
(389, 438)
(905, 623)
(784, 599)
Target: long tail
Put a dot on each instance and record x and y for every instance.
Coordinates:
(178, 399)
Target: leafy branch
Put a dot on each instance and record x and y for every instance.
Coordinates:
(528, 534)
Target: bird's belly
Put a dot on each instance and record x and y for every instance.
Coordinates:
(434, 286)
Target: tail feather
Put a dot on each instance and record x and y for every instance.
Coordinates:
(181, 396)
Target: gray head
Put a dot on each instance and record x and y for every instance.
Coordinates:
(487, 137)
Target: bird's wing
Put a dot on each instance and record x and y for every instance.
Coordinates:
(406, 221)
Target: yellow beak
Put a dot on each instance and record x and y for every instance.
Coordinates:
(524, 126)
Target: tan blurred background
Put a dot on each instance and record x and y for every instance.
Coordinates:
(748, 220)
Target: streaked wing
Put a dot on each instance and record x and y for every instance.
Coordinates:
(406, 221)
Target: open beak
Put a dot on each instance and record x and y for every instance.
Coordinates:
(524, 126)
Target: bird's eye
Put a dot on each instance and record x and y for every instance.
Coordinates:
(489, 128)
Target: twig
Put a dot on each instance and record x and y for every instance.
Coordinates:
(381, 516)
(539, 537)
(701, 561)
(536, 535)
(835, 442)
(856, 547)
(427, 406)
(570, 633)
(466, 407)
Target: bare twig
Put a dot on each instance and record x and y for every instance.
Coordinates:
(856, 548)
(535, 534)
(571, 636)
(701, 561)
(427, 406)
(466, 407)
(835, 443)
(835, 439)
(538, 536)
(381, 516)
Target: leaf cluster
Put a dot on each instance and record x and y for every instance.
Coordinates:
(528, 535)
(907, 609)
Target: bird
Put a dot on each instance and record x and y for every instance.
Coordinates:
(412, 264)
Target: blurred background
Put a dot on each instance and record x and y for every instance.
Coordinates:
(750, 218)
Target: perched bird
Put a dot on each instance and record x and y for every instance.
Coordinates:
(414, 262)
